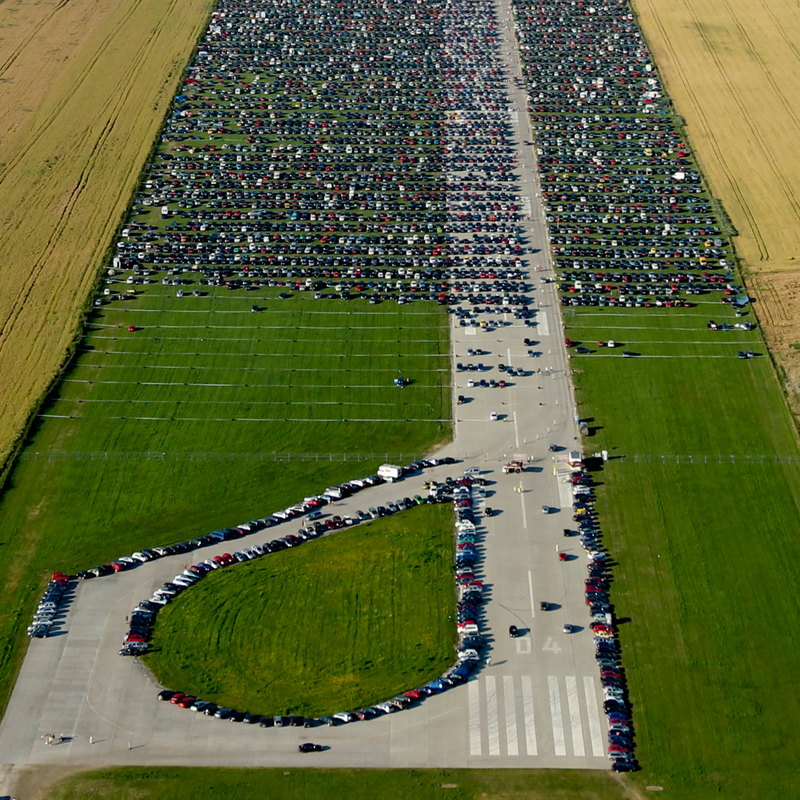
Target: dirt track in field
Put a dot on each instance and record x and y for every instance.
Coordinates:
(83, 89)
(732, 68)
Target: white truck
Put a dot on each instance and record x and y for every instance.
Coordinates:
(390, 472)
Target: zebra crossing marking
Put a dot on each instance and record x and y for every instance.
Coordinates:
(527, 715)
(492, 721)
(474, 698)
(555, 715)
(592, 713)
(510, 709)
(575, 716)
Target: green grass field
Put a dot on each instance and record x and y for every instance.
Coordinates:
(177, 784)
(706, 581)
(371, 616)
(140, 450)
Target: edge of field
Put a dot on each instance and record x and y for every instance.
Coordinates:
(99, 122)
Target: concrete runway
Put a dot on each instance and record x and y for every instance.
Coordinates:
(537, 704)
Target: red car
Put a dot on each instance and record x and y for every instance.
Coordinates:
(187, 701)
(177, 697)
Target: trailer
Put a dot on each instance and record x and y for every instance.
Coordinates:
(390, 472)
(513, 467)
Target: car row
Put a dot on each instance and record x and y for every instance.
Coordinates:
(49, 606)
(620, 748)
(460, 492)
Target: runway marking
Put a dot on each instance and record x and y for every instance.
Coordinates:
(475, 748)
(555, 716)
(512, 743)
(550, 646)
(530, 589)
(492, 721)
(470, 331)
(565, 494)
(575, 716)
(527, 715)
(543, 327)
(524, 515)
(594, 718)
(523, 646)
(516, 429)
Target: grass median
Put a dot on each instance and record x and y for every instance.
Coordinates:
(155, 783)
(342, 622)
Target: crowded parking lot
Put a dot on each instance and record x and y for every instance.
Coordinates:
(370, 156)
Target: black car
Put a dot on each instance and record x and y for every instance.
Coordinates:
(266, 722)
(309, 747)
(621, 765)
(513, 631)
(167, 694)
(210, 709)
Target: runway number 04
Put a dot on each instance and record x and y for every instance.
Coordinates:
(550, 646)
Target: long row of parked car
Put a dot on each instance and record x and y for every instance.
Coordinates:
(49, 606)
(308, 506)
(602, 624)
(457, 491)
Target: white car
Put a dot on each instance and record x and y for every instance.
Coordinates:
(493, 416)
(468, 655)
(473, 471)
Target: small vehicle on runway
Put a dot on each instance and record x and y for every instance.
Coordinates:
(513, 631)
(544, 605)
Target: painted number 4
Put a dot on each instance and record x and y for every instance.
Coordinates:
(550, 646)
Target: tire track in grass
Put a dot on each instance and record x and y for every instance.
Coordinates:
(745, 111)
(703, 121)
(15, 54)
(110, 111)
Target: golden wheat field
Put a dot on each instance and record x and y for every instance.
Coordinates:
(83, 89)
(732, 68)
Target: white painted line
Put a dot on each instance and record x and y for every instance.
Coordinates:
(555, 715)
(527, 715)
(543, 328)
(492, 722)
(510, 709)
(475, 747)
(564, 493)
(594, 717)
(530, 589)
(516, 430)
(524, 515)
(575, 716)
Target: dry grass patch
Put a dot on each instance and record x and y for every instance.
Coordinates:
(732, 68)
(85, 86)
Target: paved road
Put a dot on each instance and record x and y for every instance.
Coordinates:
(537, 704)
